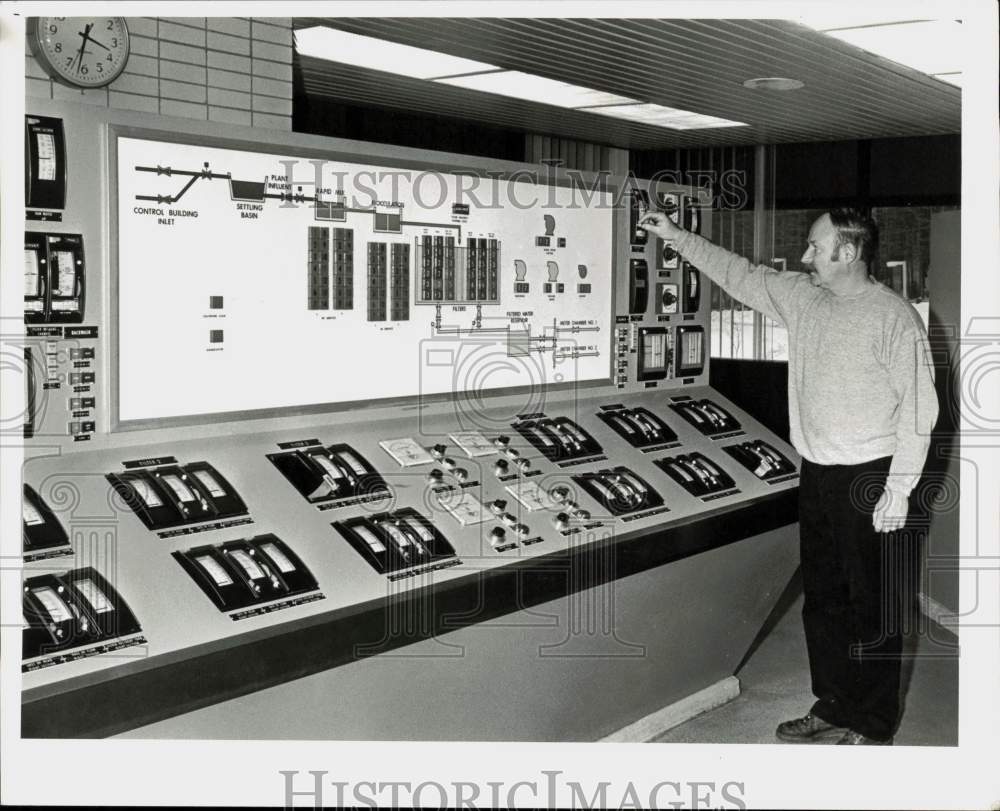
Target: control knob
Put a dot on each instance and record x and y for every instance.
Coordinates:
(460, 473)
(522, 530)
(497, 507)
(512, 453)
(500, 468)
(497, 535)
(559, 494)
(438, 451)
(435, 476)
(522, 464)
(449, 463)
(561, 522)
(581, 515)
(502, 441)
(509, 520)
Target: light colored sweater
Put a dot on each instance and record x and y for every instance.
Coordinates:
(860, 376)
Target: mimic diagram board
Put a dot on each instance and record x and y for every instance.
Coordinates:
(335, 281)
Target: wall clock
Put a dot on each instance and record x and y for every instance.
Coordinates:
(80, 51)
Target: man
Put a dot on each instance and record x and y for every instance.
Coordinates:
(861, 404)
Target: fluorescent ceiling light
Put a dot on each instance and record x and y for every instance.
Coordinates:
(529, 87)
(660, 116)
(380, 54)
(930, 46)
(418, 63)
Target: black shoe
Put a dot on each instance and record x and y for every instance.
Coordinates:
(808, 729)
(852, 738)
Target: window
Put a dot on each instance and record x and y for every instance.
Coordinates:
(904, 254)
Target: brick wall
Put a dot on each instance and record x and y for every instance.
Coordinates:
(235, 70)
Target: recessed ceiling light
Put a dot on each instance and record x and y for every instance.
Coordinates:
(774, 83)
(380, 54)
(529, 87)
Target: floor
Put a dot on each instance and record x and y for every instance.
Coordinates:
(774, 681)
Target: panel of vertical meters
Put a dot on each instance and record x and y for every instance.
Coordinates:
(458, 274)
(400, 294)
(343, 269)
(318, 268)
(377, 281)
(318, 259)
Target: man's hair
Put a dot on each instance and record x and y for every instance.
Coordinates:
(855, 227)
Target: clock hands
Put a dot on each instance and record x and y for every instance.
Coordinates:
(79, 54)
(85, 33)
(99, 44)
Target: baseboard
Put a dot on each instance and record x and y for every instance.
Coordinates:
(656, 723)
(939, 613)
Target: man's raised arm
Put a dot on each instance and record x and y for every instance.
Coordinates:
(757, 286)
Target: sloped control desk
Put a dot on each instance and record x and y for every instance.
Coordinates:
(545, 576)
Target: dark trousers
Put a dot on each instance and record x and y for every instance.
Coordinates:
(852, 578)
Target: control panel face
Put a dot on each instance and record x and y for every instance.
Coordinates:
(283, 526)
(71, 610)
(54, 278)
(43, 534)
(399, 540)
(173, 495)
(410, 295)
(239, 281)
(763, 459)
(640, 427)
(62, 392)
(661, 334)
(241, 573)
(44, 166)
(334, 475)
(402, 286)
(707, 416)
(559, 440)
(698, 474)
(620, 490)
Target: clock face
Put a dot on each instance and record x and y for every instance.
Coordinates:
(83, 51)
